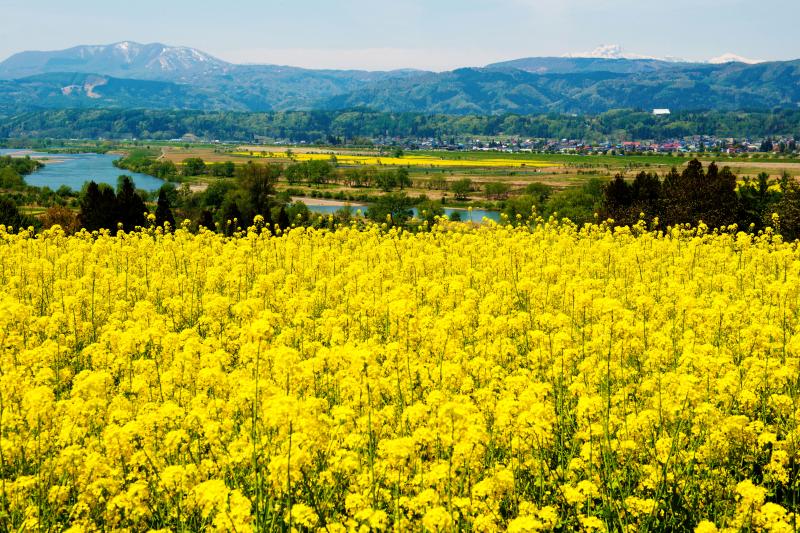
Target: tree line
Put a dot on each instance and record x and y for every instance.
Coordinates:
(13, 170)
(353, 126)
(101, 207)
(712, 195)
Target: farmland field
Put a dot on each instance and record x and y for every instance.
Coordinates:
(476, 379)
(518, 169)
(442, 160)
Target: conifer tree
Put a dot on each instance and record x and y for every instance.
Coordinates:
(164, 209)
(98, 207)
(283, 219)
(131, 209)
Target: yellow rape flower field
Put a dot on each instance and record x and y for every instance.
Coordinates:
(405, 161)
(463, 379)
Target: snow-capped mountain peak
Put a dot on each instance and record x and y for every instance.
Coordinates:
(733, 58)
(609, 51)
(615, 51)
(125, 59)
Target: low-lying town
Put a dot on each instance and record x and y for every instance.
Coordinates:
(694, 144)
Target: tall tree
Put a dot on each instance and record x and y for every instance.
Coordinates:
(788, 209)
(757, 201)
(681, 192)
(98, 207)
(462, 188)
(164, 209)
(394, 208)
(718, 203)
(11, 216)
(194, 166)
(402, 178)
(257, 183)
(131, 209)
(617, 200)
(283, 219)
(231, 215)
(206, 220)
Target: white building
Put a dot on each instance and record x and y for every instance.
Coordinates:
(661, 111)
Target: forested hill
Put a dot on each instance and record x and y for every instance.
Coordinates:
(338, 126)
(729, 87)
(128, 75)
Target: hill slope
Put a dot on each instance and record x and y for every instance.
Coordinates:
(91, 91)
(732, 86)
(571, 65)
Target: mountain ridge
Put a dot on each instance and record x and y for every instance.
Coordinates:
(116, 76)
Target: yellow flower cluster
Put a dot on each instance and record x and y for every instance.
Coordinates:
(465, 378)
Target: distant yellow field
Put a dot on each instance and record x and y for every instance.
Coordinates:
(405, 161)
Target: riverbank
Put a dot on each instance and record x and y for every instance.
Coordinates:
(321, 202)
(74, 170)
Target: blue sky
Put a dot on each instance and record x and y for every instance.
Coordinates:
(429, 34)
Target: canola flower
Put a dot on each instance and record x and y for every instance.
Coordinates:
(405, 161)
(365, 379)
(753, 185)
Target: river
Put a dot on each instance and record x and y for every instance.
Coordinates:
(73, 170)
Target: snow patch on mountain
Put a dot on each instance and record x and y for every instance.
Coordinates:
(615, 51)
(612, 51)
(733, 58)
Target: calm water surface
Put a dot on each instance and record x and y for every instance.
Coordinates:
(73, 170)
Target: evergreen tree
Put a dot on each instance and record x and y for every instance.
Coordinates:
(164, 209)
(231, 215)
(283, 219)
(11, 216)
(719, 204)
(788, 209)
(109, 209)
(680, 194)
(646, 190)
(646, 187)
(618, 198)
(98, 207)
(688, 197)
(757, 202)
(131, 209)
(89, 207)
(268, 222)
(206, 220)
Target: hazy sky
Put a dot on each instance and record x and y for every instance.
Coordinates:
(429, 34)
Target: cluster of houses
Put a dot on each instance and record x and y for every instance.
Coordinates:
(693, 144)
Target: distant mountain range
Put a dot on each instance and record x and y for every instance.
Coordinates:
(155, 76)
